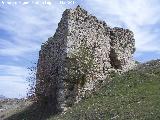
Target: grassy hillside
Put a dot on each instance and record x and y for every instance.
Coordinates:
(133, 95)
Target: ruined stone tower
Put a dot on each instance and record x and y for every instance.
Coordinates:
(113, 49)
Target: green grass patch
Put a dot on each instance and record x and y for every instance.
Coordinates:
(133, 95)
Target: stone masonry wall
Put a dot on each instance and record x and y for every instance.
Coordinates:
(50, 67)
(113, 49)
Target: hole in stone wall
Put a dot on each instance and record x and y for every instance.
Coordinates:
(115, 63)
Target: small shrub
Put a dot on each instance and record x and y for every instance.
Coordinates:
(81, 64)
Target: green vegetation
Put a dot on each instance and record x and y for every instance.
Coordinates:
(81, 64)
(133, 95)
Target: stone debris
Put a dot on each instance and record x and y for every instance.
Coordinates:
(113, 50)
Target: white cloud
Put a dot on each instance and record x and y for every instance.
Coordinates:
(31, 25)
(135, 15)
(28, 27)
(13, 89)
(13, 82)
(13, 70)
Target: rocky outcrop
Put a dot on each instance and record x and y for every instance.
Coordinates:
(112, 48)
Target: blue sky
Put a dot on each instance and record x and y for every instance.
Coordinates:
(23, 28)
